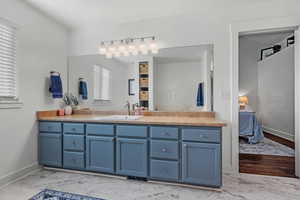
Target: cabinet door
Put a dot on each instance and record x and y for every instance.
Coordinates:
(132, 157)
(50, 149)
(100, 154)
(201, 164)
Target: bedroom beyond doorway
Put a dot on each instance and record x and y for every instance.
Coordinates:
(266, 98)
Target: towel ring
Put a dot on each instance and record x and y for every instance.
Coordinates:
(54, 73)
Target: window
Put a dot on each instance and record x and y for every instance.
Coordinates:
(8, 73)
(102, 83)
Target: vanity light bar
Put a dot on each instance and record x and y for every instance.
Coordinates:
(125, 47)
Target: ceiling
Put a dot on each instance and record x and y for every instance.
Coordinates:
(77, 13)
(270, 38)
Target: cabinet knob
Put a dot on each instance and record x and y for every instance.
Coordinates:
(73, 129)
(185, 145)
(164, 150)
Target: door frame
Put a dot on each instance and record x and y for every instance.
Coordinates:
(262, 25)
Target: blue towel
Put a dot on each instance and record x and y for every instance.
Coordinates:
(200, 100)
(83, 92)
(56, 87)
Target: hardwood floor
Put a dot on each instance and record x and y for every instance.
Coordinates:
(280, 140)
(268, 164)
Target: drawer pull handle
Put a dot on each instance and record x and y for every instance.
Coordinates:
(164, 150)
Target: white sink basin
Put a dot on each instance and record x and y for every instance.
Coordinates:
(119, 117)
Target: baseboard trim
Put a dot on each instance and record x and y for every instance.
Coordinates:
(125, 178)
(279, 133)
(84, 172)
(19, 174)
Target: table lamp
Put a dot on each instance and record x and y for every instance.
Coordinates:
(243, 101)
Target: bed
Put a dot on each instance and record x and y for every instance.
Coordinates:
(250, 128)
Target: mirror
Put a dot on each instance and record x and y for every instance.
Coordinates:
(175, 79)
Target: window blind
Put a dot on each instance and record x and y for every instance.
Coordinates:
(8, 85)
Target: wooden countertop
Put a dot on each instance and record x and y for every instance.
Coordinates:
(152, 120)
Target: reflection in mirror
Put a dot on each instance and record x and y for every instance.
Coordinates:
(175, 79)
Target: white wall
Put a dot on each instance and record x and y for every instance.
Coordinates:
(82, 66)
(208, 26)
(276, 93)
(42, 46)
(248, 75)
(177, 85)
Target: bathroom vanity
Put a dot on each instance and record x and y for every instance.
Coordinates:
(162, 148)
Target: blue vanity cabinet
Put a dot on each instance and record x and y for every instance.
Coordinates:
(50, 151)
(50, 144)
(201, 157)
(132, 157)
(100, 152)
(100, 148)
(164, 153)
(180, 154)
(132, 150)
(74, 146)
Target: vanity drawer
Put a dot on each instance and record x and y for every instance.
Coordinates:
(164, 132)
(132, 131)
(54, 127)
(201, 134)
(164, 149)
(168, 170)
(100, 129)
(74, 128)
(74, 142)
(74, 160)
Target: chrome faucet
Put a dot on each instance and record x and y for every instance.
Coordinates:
(127, 105)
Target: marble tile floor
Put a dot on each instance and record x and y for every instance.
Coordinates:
(236, 187)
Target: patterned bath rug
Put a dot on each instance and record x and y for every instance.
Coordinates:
(57, 195)
(266, 147)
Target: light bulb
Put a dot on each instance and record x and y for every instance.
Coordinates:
(122, 47)
(102, 49)
(112, 48)
(131, 47)
(153, 46)
(143, 47)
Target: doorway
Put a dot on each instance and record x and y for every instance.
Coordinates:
(267, 103)
(261, 25)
